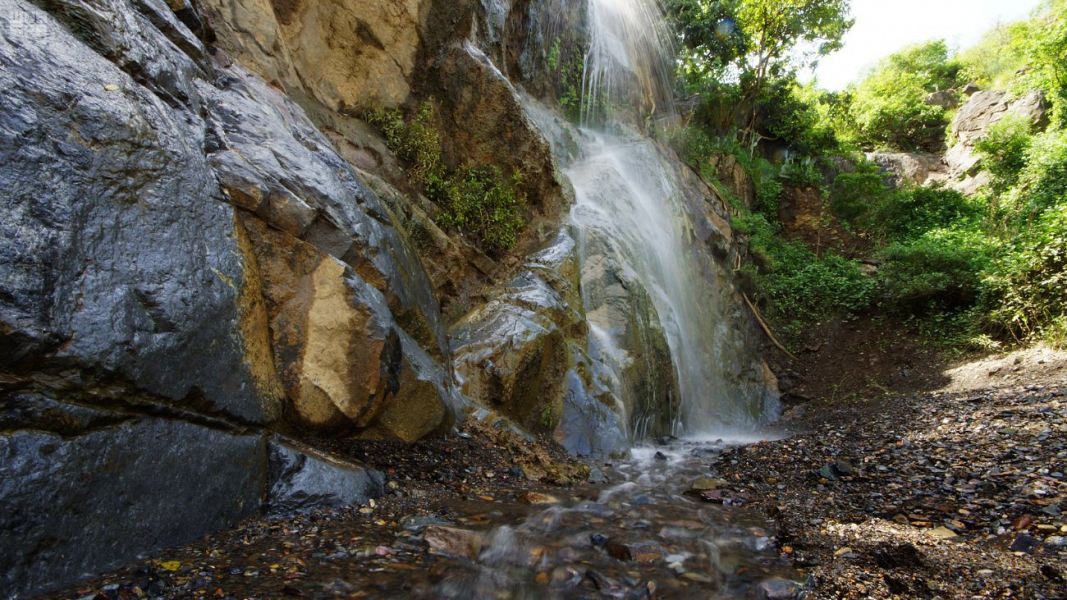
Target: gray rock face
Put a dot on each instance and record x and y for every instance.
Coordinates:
(903, 168)
(136, 175)
(514, 352)
(302, 479)
(114, 250)
(977, 115)
(985, 108)
(272, 161)
(642, 357)
(74, 505)
(589, 426)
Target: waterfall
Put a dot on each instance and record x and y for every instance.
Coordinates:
(630, 60)
(636, 222)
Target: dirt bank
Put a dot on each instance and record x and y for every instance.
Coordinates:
(953, 493)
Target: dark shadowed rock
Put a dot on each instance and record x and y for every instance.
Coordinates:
(78, 504)
(302, 479)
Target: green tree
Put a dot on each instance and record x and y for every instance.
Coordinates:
(889, 106)
(778, 29)
(754, 43)
(1047, 53)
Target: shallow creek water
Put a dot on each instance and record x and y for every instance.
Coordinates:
(639, 536)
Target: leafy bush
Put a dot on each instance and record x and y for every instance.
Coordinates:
(941, 268)
(889, 105)
(478, 201)
(854, 195)
(800, 287)
(415, 141)
(1027, 286)
(801, 172)
(1003, 151)
(696, 147)
(911, 212)
(482, 203)
(994, 61)
(1042, 183)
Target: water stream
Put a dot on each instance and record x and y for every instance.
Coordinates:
(643, 536)
(635, 217)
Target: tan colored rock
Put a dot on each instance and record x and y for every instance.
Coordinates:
(733, 176)
(352, 53)
(332, 354)
(255, 325)
(345, 53)
(453, 541)
(342, 361)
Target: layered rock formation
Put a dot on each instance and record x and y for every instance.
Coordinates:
(188, 266)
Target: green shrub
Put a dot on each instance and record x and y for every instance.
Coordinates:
(696, 147)
(415, 141)
(1042, 183)
(941, 269)
(486, 206)
(911, 212)
(1003, 151)
(995, 60)
(856, 194)
(479, 201)
(801, 172)
(799, 287)
(889, 105)
(1026, 287)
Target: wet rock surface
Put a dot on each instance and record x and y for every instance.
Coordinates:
(950, 495)
(462, 520)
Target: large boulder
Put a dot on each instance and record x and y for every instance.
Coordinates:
(628, 335)
(525, 354)
(86, 490)
(514, 352)
(972, 122)
(301, 479)
(904, 168)
(984, 109)
(117, 253)
(186, 265)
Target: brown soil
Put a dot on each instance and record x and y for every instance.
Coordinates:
(806, 218)
(863, 357)
(955, 493)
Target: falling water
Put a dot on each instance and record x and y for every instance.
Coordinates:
(629, 59)
(632, 206)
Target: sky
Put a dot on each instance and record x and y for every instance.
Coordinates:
(885, 26)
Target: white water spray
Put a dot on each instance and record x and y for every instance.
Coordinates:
(632, 205)
(630, 60)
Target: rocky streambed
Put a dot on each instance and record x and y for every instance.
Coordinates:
(951, 494)
(464, 518)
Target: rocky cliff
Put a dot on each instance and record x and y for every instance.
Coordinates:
(958, 167)
(207, 254)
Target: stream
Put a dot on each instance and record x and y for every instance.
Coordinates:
(641, 536)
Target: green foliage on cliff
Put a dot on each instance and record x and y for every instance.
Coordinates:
(799, 287)
(889, 106)
(961, 268)
(479, 201)
(740, 57)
